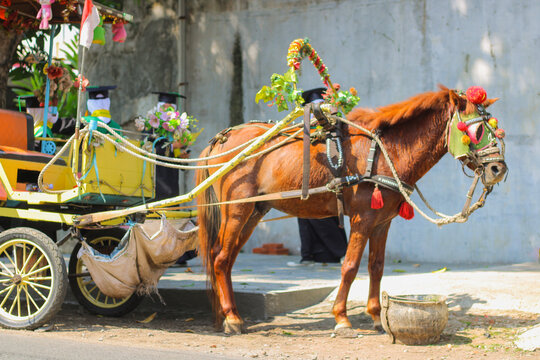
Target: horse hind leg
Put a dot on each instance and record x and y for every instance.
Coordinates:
(234, 233)
(377, 246)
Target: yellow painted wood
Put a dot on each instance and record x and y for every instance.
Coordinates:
(37, 215)
(120, 173)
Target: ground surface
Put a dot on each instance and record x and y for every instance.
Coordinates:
(304, 334)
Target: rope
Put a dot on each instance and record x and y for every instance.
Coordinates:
(51, 162)
(185, 167)
(165, 158)
(444, 219)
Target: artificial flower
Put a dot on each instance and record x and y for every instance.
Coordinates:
(139, 123)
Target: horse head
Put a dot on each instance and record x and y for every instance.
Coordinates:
(473, 137)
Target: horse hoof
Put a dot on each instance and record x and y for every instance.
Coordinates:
(233, 327)
(343, 325)
(378, 327)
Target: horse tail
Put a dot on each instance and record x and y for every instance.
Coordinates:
(209, 218)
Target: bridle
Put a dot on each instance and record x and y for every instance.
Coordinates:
(481, 150)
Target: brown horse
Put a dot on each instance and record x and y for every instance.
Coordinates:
(414, 134)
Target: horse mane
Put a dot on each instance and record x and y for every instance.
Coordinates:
(403, 111)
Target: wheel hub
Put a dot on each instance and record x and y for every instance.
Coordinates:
(17, 279)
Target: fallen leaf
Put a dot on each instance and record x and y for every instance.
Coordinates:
(189, 331)
(188, 270)
(398, 270)
(148, 319)
(189, 319)
(440, 270)
(416, 265)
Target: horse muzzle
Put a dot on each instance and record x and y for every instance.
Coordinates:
(494, 172)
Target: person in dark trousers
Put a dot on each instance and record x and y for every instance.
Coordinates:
(321, 240)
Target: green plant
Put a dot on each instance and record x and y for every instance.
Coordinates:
(30, 74)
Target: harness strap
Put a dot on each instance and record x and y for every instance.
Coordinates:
(334, 153)
(371, 156)
(307, 143)
(389, 183)
(335, 185)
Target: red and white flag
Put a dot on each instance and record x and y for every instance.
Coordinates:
(90, 19)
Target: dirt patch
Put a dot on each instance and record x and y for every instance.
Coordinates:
(304, 334)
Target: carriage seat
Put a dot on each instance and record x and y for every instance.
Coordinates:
(17, 138)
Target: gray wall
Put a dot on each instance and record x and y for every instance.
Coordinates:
(389, 50)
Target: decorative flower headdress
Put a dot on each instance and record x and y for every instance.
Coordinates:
(283, 87)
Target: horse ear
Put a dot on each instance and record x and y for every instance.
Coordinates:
(453, 97)
(489, 102)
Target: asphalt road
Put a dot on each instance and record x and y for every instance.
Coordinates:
(21, 347)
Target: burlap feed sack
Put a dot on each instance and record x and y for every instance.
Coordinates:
(141, 263)
(157, 252)
(115, 276)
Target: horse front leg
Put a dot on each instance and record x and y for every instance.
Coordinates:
(377, 246)
(349, 269)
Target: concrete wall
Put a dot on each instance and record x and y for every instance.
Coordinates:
(389, 50)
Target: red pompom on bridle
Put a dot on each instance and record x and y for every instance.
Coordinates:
(476, 94)
(462, 126)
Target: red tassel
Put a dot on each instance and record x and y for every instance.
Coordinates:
(376, 199)
(406, 211)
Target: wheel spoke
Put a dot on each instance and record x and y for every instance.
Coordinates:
(5, 280)
(84, 283)
(36, 271)
(37, 284)
(97, 295)
(28, 258)
(23, 256)
(15, 257)
(42, 278)
(25, 287)
(39, 292)
(10, 288)
(15, 301)
(35, 264)
(19, 300)
(11, 261)
(106, 299)
(31, 298)
(5, 267)
(92, 289)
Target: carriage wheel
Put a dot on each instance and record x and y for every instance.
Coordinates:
(33, 278)
(85, 289)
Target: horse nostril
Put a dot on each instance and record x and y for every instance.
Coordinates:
(494, 169)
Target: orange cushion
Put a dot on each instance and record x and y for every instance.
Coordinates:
(15, 129)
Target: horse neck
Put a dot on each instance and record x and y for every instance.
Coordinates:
(418, 144)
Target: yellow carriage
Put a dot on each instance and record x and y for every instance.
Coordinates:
(39, 197)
